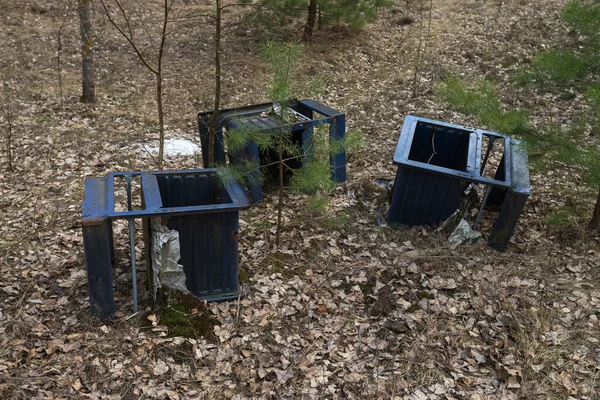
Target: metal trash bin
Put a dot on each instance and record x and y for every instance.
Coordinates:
(249, 117)
(437, 160)
(202, 209)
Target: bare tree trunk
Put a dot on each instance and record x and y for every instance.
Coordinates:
(418, 59)
(282, 106)
(59, 66)
(9, 144)
(595, 222)
(421, 48)
(161, 122)
(159, 99)
(6, 108)
(309, 28)
(320, 20)
(65, 19)
(87, 52)
(212, 128)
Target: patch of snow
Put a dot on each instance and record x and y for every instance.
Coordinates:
(177, 147)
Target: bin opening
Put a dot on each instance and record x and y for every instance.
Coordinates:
(191, 189)
(127, 197)
(440, 146)
(492, 154)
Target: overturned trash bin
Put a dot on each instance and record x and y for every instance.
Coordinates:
(306, 115)
(436, 161)
(194, 213)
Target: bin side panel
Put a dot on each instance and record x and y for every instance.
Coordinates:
(209, 253)
(215, 242)
(514, 201)
(185, 190)
(249, 156)
(497, 195)
(507, 221)
(423, 198)
(337, 131)
(440, 146)
(97, 243)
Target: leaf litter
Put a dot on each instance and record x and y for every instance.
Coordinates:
(345, 308)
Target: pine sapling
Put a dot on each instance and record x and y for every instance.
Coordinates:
(282, 58)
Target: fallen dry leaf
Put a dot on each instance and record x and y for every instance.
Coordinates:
(160, 368)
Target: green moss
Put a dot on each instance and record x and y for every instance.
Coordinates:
(567, 216)
(316, 205)
(282, 263)
(316, 212)
(337, 221)
(277, 261)
(424, 295)
(413, 308)
(262, 225)
(244, 276)
(366, 288)
(369, 300)
(249, 213)
(556, 219)
(186, 316)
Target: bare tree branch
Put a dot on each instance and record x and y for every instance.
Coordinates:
(143, 59)
(150, 39)
(156, 69)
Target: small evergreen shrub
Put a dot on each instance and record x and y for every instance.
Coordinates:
(482, 102)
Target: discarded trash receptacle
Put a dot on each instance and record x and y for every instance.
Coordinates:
(202, 209)
(436, 161)
(309, 114)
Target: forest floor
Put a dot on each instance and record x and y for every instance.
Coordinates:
(346, 308)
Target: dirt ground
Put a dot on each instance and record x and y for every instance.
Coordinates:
(346, 308)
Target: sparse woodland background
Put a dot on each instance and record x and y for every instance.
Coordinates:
(345, 308)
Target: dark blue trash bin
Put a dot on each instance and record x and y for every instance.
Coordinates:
(436, 161)
(208, 230)
(201, 207)
(255, 117)
(432, 159)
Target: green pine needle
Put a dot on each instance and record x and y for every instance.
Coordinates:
(481, 101)
(559, 67)
(314, 175)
